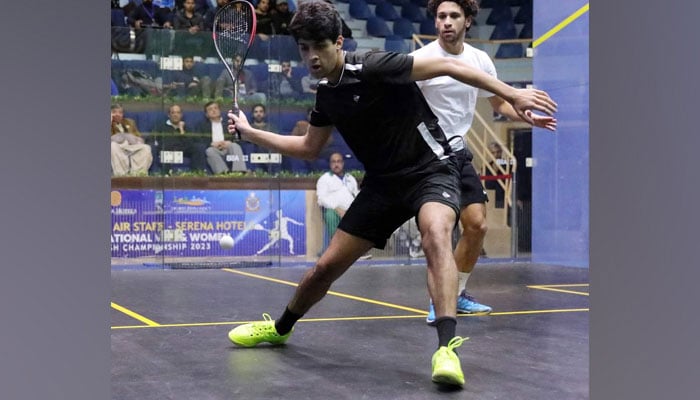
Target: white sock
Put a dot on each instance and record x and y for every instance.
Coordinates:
(463, 277)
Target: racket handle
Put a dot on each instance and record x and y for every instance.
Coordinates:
(235, 133)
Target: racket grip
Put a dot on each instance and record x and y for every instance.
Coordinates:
(236, 135)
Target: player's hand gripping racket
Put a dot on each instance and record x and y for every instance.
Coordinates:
(233, 33)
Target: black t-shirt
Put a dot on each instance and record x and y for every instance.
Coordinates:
(383, 116)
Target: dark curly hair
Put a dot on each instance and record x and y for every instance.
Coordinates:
(470, 7)
(315, 20)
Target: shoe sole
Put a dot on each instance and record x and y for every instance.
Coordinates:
(447, 380)
(474, 312)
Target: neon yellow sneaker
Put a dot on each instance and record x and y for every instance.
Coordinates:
(446, 366)
(249, 335)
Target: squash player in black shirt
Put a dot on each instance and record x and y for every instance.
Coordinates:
(373, 101)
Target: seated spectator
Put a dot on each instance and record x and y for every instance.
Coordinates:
(221, 152)
(247, 85)
(147, 20)
(283, 84)
(335, 191)
(188, 24)
(209, 15)
(281, 16)
(172, 135)
(200, 6)
(262, 45)
(264, 26)
(185, 82)
(129, 153)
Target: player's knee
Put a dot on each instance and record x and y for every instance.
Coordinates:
(435, 234)
(474, 225)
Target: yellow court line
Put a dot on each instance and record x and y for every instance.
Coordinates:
(338, 294)
(538, 312)
(134, 315)
(552, 289)
(571, 18)
(367, 318)
(566, 285)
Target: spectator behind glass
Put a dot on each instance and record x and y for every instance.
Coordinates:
(247, 86)
(188, 24)
(281, 17)
(129, 154)
(335, 191)
(264, 26)
(259, 121)
(146, 15)
(172, 135)
(185, 82)
(209, 15)
(200, 6)
(220, 151)
(283, 84)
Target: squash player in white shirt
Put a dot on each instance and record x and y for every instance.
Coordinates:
(454, 103)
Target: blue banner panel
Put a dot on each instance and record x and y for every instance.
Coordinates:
(189, 223)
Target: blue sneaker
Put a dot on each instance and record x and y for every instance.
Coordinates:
(430, 319)
(467, 305)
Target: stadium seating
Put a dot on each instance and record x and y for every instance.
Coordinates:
(396, 43)
(404, 28)
(509, 50)
(376, 26)
(500, 13)
(504, 30)
(349, 44)
(384, 9)
(524, 14)
(413, 12)
(359, 9)
(427, 27)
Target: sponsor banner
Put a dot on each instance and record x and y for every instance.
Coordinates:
(189, 223)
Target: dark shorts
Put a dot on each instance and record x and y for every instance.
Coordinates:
(381, 208)
(471, 188)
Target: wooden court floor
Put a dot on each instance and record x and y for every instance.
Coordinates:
(367, 339)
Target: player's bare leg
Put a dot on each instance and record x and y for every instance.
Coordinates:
(435, 221)
(474, 228)
(466, 254)
(343, 250)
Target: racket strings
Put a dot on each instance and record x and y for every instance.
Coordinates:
(233, 32)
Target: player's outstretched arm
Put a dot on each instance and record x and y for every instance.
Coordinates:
(306, 147)
(504, 108)
(522, 101)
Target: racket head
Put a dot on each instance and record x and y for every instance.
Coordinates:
(233, 33)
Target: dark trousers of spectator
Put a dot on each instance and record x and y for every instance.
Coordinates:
(192, 149)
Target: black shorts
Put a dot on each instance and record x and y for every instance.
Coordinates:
(380, 208)
(470, 186)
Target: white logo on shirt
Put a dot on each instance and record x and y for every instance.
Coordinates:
(445, 195)
(356, 98)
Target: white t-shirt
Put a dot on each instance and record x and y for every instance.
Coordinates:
(217, 132)
(452, 101)
(333, 191)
